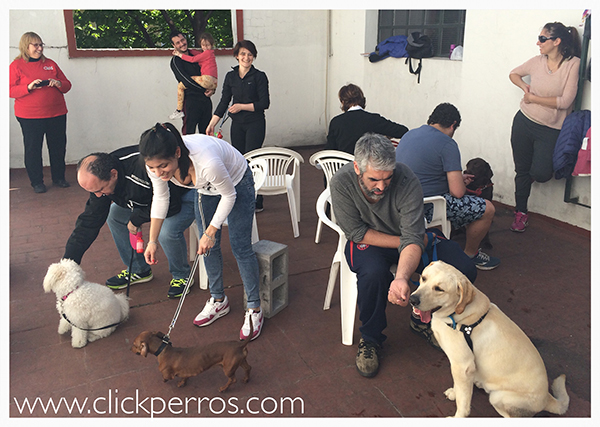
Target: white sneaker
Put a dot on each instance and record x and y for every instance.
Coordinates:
(212, 311)
(176, 114)
(257, 323)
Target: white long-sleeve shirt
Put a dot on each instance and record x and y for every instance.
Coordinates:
(219, 167)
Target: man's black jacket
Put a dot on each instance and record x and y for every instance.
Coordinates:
(183, 72)
(133, 191)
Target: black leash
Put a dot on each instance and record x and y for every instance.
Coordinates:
(129, 272)
(93, 329)
(166, 338)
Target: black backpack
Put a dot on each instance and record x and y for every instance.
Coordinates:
(418, 46)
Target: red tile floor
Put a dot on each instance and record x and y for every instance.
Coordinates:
(543, 284)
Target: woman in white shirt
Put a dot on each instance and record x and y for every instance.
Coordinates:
(221, 175)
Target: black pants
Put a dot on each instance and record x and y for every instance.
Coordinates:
(246, 137)
(533, 148)
(55, 129)
(198, 112)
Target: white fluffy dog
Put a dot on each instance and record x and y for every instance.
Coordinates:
(86, 308)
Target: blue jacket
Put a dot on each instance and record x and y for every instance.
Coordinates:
(569, 142)
(394, 46)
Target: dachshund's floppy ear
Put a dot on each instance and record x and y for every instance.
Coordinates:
(466, 293)
(144, 350)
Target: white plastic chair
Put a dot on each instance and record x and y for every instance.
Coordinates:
(329, 161)
(348, 285)
(259, 168)
(439, 215)
(348, 288)
(280, 180)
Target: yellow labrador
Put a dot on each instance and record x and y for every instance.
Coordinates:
(484, 347)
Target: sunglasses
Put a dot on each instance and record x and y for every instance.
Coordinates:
(544, 39)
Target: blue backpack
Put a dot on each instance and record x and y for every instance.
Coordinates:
(394, 46)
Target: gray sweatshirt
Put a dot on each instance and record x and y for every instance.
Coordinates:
(398, 213)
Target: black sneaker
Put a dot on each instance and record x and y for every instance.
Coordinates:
(177, 286)
(120, 280)
(62, 183)
(39, 188)
(424, 329)
(367, 358)
(259, 204)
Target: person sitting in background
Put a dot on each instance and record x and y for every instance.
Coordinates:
(434, 157)
(354, 122)
(379, 206)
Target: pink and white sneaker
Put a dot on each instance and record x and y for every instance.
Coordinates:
(212, 311)
(520, 222)
(257, 323)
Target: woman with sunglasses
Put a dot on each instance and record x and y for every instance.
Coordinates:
(222, 177)
(547, 100)
(38, 86)
(247, 88)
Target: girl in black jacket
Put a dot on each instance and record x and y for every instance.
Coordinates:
(249, 89)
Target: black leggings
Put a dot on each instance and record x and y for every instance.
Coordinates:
(248, 136)
(55, 129)
(533, 148)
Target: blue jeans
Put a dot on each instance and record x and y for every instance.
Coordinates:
(171, 237)
(240, 237)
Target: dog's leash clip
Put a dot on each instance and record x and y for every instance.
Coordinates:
(453, 326)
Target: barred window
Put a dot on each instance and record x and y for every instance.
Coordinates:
(444, 27)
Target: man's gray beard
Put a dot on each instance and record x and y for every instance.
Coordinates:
(369, 193)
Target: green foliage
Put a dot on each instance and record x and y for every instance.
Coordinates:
(139, 29)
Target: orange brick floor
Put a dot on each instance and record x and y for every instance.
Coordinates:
(543, 284)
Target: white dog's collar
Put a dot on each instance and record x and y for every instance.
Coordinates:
(66, 296)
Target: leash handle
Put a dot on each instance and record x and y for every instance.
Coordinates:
(223, 120)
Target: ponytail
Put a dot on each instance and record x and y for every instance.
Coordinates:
(162, 141)
(570, 44)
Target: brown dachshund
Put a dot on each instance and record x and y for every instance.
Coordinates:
(189, 362)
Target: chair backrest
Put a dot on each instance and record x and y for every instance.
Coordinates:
(279, 160)
(330, 161)
(322, 201)
(439, 214)
(260, 169)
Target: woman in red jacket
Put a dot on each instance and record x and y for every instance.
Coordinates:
(37, 84)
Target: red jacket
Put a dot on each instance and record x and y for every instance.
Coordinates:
(206, 59)
(42, 103)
